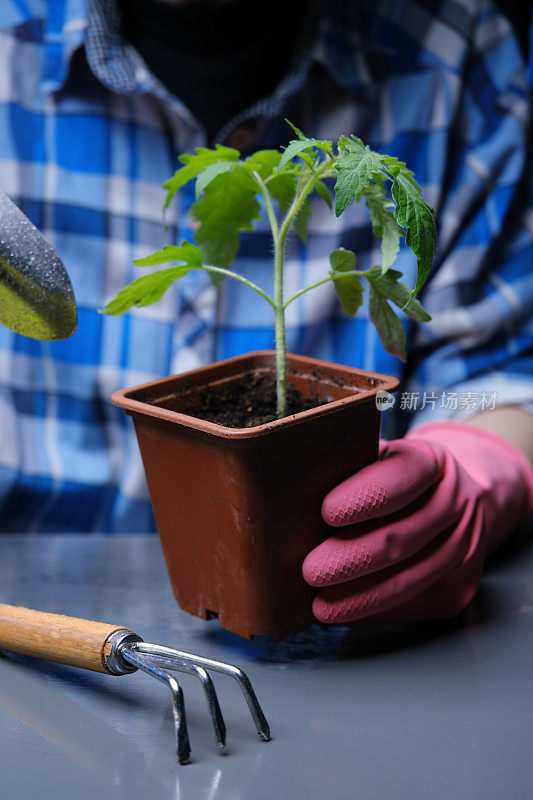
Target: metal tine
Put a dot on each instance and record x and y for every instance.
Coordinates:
(171, 656)
(209, 689)
(183, 746)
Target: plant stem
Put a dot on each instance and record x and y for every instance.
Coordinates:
(330, 277)
(279, 235)
(281, 356)
(281, 351)
(268, 203)
(229, 274)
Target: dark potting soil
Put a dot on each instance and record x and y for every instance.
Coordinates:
(243, 404)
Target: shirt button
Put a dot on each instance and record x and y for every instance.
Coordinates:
(241, 138)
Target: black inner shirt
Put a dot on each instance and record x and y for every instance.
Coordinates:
(216, 57)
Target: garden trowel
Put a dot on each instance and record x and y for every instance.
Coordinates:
(36, 297)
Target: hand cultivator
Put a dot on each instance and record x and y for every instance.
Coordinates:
(116, 650)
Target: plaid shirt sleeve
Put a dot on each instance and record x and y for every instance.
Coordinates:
(478, 350)
(87, 136)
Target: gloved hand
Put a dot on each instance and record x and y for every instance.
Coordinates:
(416, 525)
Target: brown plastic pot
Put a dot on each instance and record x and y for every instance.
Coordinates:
(238, 509)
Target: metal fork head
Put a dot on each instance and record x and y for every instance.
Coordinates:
(130, 653)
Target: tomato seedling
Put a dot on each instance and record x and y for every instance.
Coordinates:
(227, 193)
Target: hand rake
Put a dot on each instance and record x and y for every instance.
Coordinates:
(116, 650)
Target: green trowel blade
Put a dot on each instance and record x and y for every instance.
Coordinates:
(36, 297)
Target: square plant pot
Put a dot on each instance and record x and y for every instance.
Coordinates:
(238, 509)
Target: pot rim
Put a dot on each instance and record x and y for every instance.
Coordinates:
(124, 399)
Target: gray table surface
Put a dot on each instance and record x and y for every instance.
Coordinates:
(428, 711)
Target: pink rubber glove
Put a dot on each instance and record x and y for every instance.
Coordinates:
(416, 525)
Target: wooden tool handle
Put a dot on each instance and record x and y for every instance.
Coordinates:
(54, 637)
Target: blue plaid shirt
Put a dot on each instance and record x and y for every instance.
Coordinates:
(88, 135)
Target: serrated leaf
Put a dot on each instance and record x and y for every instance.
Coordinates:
(209, 173)
(146, 290)
(412, 212)
(323, 144)
(294, 148)
(394, 167)
(356, 169)
(348, 287)
(343, 143)
(389, 287)
(384, 224)
(390, 329)
(227, 207)
(194, 164)
(310, 160)
(324, 192)
(186, 252)
(149, 288)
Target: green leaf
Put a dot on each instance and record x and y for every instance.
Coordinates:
(145, 290)
(323, 144)
(324, 192)
(282, 187)
(194, 164)
(227, 207)
(412, 212)
(350, 293)
(206, 175)
(186, 252)
(342, 260)
(216, 280)
(296, 130)
(265, 162)
(390, 329)
(389, 287)
(149, 288)
(348, 287)
(384, 225)
(296, 147)
(301, 220)
(355, 170)
(394, 167)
